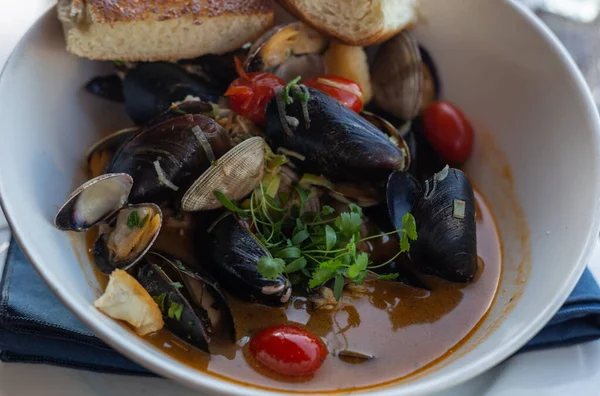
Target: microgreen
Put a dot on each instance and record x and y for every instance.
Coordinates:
(175, 310)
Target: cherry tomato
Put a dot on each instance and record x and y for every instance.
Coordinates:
(448, 131)
(288, 350)
(344, 90)
(250, 92)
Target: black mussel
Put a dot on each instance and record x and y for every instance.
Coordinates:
(108, 87)
(445, 217)
(330, 139)
(101, 153)
(192, 304)
(166, 158)
(218, 70)
(150, 89)
(402, 191)
(94, 202)
(125, 239)
(234, 256)
(431, 80)
(178, 109)
(425, 162)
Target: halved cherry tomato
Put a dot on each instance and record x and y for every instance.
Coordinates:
(250, 92)
(344, 90)
(288, 350)
(448, 131)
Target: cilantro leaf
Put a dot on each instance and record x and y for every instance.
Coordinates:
(391, 276)
(270, 267)
(320, 276)
(295, 265)
(404, 243)
(360, 265)
(354, 208)
(330, 238)
(300, 237)
(289, 252)
(349, 223)
(160, 300)
(338, 286)
(409, 225)
(175, 310)
(326, 210)
(303, 195)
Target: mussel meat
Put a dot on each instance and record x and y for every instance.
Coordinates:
(123, 241)
(150, 88)
(235, 253)
(330, 139)
(236, 174)
(93, 202)
(445, 217)
(288, 51)
(167, 157)
(194, 307)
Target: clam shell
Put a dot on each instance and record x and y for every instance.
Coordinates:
(235, 174)
(398, 77)
(73, 215)
(101, 253)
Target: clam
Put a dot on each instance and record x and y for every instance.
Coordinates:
(234, 256)
(397, 76)
(164, 159)
(151, 87)
(235, 174)
(445, 217)
(288, 50)
(101, 153)
(127, 237)
(93, 202)
(193, 306)
(328, 138)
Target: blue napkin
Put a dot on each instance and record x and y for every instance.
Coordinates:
(36, 328)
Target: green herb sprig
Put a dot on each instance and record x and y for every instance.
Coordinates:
(321, 247)
(133, 220)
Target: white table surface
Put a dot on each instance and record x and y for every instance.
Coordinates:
(571, 370)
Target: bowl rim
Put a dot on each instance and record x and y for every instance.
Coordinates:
(213, 383)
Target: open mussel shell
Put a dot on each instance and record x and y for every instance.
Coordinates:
(235, 174)
(308, 66)
(100, 154)
(165, 159)
(402, 191)
(397, 76)
(235, 252)
(431, 80)
(190, 105)
(330, 138)
(194, 307)
(151, 87)
(287, 43)
(425, 162)
(126, 238)
(386, 127)
(93, 202)
(445, 215)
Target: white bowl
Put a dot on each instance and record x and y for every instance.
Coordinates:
(497, 62)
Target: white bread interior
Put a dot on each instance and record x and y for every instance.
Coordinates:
(356, 22)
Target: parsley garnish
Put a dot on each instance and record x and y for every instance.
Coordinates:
(311, 248)
(175, 310)
(179, 111)
(180, 265)
(176, 285)
(119, 63)
(160, 300)
(133, 220)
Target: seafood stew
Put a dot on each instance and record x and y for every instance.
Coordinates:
(277, 230)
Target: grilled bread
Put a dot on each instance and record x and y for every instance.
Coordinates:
(355, 22)
(153, 30)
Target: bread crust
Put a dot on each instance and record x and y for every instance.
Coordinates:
(375, 37)
(111, 11)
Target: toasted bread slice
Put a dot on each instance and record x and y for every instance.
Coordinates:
(355, 22)
(154, 30)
